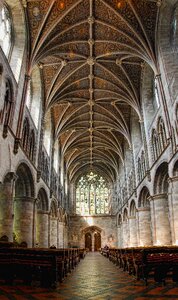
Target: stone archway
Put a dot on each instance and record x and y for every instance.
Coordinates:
(24, 206)
(93, 237)
(42, 219)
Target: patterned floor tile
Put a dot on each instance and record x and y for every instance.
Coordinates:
(95, 278)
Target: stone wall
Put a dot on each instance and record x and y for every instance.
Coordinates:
(106, 225)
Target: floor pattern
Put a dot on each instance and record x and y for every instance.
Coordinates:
(95, 278)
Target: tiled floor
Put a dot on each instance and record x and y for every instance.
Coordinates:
(95, 278)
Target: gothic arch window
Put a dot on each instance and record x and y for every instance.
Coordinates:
(133, 209)
(7, 109)
(156, 97)
(92, 195)
(33, 96)
(174, 28)
(176, 122)
(125, 215)
(32, 146)
(25, 134)
(162, 134)
(139, 169)
(155, 145)
(143, 165)
(5, 30)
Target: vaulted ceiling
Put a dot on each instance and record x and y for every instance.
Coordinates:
(91, 54)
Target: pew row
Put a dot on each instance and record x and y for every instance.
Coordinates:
(46, 266)
(159, 262)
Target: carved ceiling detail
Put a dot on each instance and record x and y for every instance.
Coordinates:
(91, 54)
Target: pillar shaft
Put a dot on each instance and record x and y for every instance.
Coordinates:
(125, 234)
(23, 219)
(133, 242)
(160, 220)
(6, 206)
(173, 208)
(144, 227)
(42, 229)
(53, 231)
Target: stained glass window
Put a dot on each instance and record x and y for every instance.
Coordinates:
(92, 195)
(5, 30)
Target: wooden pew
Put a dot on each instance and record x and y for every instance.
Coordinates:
(48, 266)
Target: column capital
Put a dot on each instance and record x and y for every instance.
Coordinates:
(11, 176)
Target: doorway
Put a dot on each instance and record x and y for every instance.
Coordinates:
(88, 241)
(97, 241)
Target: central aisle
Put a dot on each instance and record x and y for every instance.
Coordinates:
(95, 278)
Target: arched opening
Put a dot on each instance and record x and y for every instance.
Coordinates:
(24, 206)
(132, 225)
(25, 135)
(16, 13)
(33, 97)
(42, 219)
(53, 224)
(175, 169)
(6, 206)
(5, 30)
(47, 133)
(144, 218)
(125, 229)
(160, 208)
(8, 107)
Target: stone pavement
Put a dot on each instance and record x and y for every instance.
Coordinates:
(95, 278)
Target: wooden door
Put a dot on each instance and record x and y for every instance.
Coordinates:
(88, 241)
(97, 240)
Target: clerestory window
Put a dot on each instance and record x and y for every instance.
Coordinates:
(5, 30)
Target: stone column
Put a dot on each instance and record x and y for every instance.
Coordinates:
(60, 235)
(125, 234)
(23, 219)
(133, 242)
(6, 206)
(160, 220)
(119, 236)
(42, 229)
(144, 226)
(173, 208)
(65, 236)
(53, 231)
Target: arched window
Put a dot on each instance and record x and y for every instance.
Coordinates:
(7, 109)
(33, 96)
(174, 28)
(155, 145)
(143, 165)
(32, 146)
(25, 134)
(156, 93)
(5, 30)
(139, 169)
(92, 195)
(162, 135)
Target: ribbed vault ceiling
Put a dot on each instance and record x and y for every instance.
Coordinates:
(91, 54)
